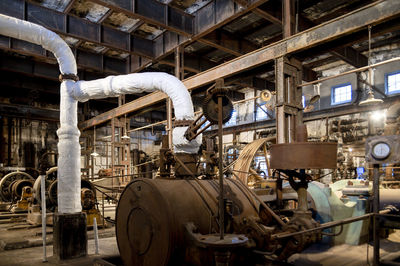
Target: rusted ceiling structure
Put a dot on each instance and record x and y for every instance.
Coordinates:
(233, 39)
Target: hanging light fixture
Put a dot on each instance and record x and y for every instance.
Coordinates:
(315, 98)
(94, 153)
(370, 98)
(125, 136)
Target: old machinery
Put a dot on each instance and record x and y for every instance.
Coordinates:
(242, 168)
(210, 105)
(304, 155)
(88, 199)
(7, 182)
(383, 149)
(210, 112)
(16, 189)
(187, 219)
(379, 150)
(21, 192)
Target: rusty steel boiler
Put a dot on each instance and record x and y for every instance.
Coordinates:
(153, 216)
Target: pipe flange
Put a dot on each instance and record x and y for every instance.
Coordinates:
(182, 123)
(63, 77)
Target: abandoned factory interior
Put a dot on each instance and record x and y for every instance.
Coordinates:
(199, 132)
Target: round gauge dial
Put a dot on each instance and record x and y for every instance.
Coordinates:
(381, 150)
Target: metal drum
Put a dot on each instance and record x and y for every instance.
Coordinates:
(152, 215)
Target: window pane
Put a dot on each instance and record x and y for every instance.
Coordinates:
(341, 94)
(393, 82)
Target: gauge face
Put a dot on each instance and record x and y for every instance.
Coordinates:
(381, 150)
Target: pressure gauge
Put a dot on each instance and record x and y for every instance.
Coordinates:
(380, 150)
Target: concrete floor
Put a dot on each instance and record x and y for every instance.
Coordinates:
(316, 254)
(341, 255)
(34, 256)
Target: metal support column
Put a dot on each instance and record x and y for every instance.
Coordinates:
(288, 99)
(288, 106)
(288, 18)
(375, 207)
(219, 84)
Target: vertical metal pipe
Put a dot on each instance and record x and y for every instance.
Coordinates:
(221, 175)
(102, 201)
(43, 198)
(96, 236)
(169, 122)
(375, 207)
(9, 140)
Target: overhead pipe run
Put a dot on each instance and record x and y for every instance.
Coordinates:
(113, 86)
(69, 185)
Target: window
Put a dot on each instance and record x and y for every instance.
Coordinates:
(261, 113)
(341, 94)
(232, 121)
(392, 82)
(303, 100)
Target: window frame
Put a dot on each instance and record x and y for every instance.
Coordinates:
(397, 72)
(333, 88)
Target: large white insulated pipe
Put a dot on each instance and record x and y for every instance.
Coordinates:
(69, 185)
(69, 152)
(146, 82)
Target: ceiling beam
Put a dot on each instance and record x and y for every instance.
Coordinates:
(341, 26)
(345, 53)
(153, 12)
(212, 16)
(228, 43)
(85, 60)
(78, 28)
(354, 21)
(350, 56)
(265, 15)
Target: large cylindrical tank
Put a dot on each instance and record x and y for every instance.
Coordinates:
(152, 214)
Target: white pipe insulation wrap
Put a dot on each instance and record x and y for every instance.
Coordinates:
(69, 178)
(69, 153)
(37, 34)
(146, 82)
